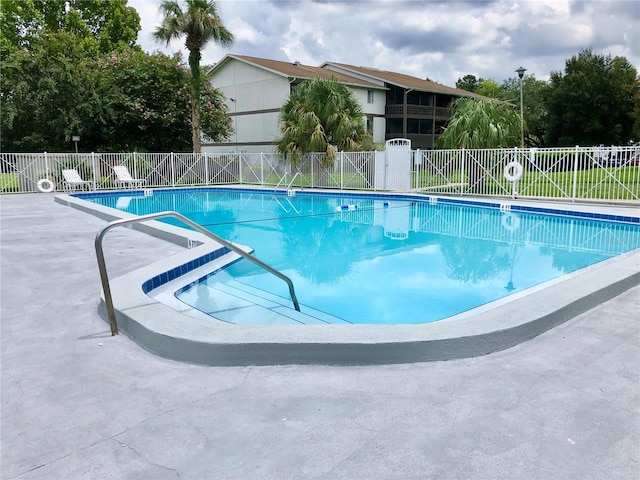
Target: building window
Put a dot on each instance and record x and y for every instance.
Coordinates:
(413, 125)
(369, 96)
(370, 124)
(419, 126)
(394, 126)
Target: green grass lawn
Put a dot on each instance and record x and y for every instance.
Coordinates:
(611, 183)
(620, 183)
(9, 182)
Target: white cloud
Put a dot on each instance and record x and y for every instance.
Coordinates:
(439, 40)
(243, 32)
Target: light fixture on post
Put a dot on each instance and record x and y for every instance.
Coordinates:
(520, 71)
(75, 139)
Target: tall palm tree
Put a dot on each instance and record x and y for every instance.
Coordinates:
(321, 115)
(200, 22)
(480, 123)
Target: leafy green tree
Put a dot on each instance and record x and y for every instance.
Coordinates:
(19, 20)
(114, 25)
(489, 88)
(321, 115)
(469, 83)
(534, 106)
(125, 101)
(109, 24)
(200, 23)
(49, 93)
(636, 113)
(58, 81)
(215, 121)
(591, 103)
(148, 95)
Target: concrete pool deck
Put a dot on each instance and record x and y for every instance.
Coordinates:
(78, 403)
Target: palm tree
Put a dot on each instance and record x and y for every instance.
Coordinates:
(200, 22)
(321, 115)
(481, 123)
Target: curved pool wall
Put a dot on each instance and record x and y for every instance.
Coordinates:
(493, 327)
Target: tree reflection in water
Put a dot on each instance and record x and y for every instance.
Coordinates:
(568, 261)
(474, 260)
(322, 260)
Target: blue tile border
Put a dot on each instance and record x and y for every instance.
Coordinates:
(578, 214)
(480, 204)
(377, 195)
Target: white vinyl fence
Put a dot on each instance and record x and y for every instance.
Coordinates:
(609, 174)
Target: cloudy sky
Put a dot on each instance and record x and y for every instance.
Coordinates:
(439, 40)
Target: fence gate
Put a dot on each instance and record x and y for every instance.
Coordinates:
(393, 170)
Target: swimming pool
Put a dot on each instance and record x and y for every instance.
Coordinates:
(374, 259)
(180, 334)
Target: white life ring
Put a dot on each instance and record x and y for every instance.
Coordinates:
(517, 171)
(46, 186)
(511, 222)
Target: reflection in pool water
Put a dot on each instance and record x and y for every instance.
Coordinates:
(388, 260)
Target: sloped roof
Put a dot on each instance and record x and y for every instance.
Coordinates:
(297, 70)
(402, 80)
(378, 77)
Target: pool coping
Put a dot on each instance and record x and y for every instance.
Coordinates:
(165, 332)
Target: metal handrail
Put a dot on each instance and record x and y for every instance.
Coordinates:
(128, 221)
(281, 180)
(292, 180)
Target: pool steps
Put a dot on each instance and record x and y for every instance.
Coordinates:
(239, 303)
(263, 308)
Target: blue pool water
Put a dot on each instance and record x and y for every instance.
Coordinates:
(377, 260)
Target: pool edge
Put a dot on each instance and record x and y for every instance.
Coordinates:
(158, 329)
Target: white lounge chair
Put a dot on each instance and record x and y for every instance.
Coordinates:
(124, 177)
(72, 180)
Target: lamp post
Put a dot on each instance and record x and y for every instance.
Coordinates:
(520, 71)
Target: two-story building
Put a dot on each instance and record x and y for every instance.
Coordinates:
(395, 105)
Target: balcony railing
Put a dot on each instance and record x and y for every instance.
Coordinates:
(428, 111)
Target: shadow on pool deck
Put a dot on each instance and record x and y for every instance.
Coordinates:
(78, 403)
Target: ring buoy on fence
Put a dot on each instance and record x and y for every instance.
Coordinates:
(513, 171)
(46, 186)
(510, 222)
